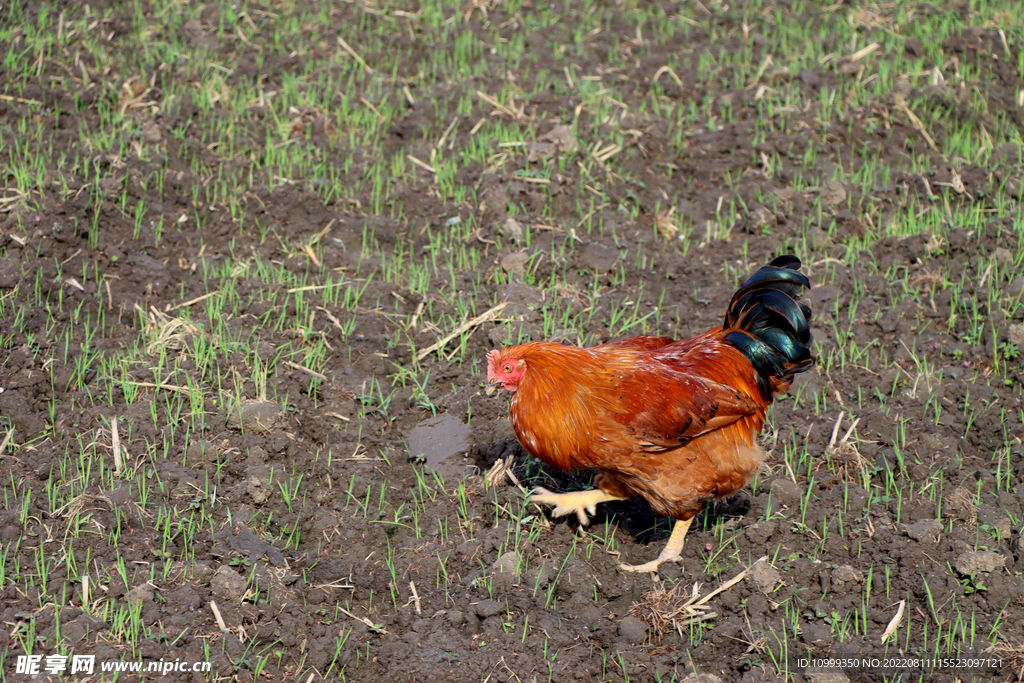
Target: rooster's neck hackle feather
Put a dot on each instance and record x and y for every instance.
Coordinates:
(552, 412)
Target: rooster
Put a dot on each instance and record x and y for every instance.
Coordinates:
(672, 421)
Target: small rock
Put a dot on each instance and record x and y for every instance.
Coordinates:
(265, 351)
(227, 585)
(1002, 255)
(198, 36)
(759, 533)
(757, 605)
(10, 272)
(495, 199)
(787, 492)
(513, 229)
(632, 631)
(847, 574)
(925, 531)
(514, 263)
(824, 295)
(456, 617)
(815, 634)
(151, 132)
(1017, 335)
(198, 572)
(833, 194)
(1002, 590)
(143, 593)
(563, 137)
(234, 649)
(761, 217)
(785, 194)
(200, 450)
(539, 151)
(765, 577)
(488, 608)
(257, 458)
(503, 571)
(441, 443)
(1014, 186)
(259, 490)
(978, 561)
(559, 139)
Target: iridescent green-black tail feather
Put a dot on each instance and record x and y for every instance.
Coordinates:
(769, 325)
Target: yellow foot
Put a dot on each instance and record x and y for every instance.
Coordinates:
(670, 553)
(580, 502)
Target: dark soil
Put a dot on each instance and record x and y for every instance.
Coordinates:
(322, 585)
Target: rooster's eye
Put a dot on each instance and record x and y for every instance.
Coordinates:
(507, 368)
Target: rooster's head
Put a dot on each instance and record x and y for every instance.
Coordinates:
(504, 367)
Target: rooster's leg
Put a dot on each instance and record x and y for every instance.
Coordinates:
(580, 502)
(670, 553)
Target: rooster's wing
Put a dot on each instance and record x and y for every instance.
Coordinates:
(660, 407)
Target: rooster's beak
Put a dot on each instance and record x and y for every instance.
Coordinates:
(491, 387)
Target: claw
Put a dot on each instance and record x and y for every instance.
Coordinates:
(651, 566)
(579, 502)
(670, 553)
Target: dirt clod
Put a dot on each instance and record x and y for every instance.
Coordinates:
(515, 263)
(632, 630)
(787, 492)
(925, 531)
(1017, 333)
(979, 561)
(759, 533)
(765, 577)
(227, 585)
(440, 443)
(845, 576)
(833, 194)
(488, 608)
(504, 569)
(260, 417)
(139, 594)
(10, 273)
